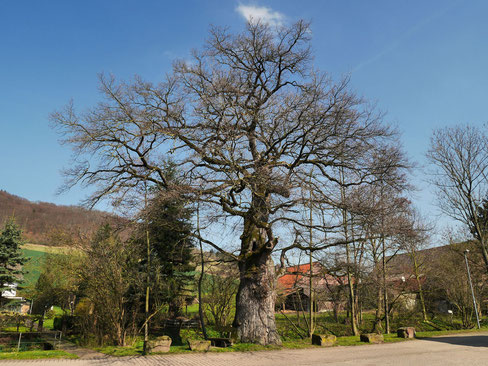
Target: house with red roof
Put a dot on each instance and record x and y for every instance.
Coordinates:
(293, 288)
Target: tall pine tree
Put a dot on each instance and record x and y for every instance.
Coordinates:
(11, 258)
(167, 220)
(169, 227)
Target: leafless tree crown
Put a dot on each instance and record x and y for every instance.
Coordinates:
(247, 119)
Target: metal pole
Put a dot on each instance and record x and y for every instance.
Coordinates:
(471, 285)
(311, 299)
(146, 309)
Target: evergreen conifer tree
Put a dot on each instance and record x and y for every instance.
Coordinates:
(169, 226)
(168, 222)
(11, 258)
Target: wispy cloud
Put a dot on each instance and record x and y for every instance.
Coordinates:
(397, 42)
(252, 14)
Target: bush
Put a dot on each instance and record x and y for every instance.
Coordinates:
(12, 319)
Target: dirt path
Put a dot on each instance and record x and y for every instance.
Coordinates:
(82, 353)
(449, 350)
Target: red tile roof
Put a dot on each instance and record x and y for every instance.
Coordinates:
(298, 276)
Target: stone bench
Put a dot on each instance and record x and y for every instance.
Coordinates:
(198, 345)
(221, 342)
(160, 344)
(324, 340)
(372, 338)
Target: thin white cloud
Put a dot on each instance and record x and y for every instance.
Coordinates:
(397, 42)
(252, 14)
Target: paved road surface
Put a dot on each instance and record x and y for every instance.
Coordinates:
(449, 350)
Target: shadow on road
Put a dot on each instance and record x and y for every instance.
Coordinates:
(471, 341)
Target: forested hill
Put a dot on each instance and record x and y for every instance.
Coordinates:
(47, 223)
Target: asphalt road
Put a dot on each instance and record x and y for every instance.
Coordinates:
(449, 350)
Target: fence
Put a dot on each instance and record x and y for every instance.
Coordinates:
(26, 341)
(181, 323)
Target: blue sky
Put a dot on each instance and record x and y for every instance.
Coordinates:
(425, 63)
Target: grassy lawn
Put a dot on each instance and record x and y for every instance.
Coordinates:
(120, 351)
(35, 355)
(14, 329)
(428, 334)
(243, 347)
(136, 350)
(325, 324)
(287, 344)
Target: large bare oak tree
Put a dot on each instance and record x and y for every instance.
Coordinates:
(246, 121)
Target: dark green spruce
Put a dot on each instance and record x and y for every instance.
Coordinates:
(11, 258)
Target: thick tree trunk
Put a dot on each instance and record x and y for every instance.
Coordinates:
(254, 321)
(255, 318)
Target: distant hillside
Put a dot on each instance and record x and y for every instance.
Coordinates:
(46, 223)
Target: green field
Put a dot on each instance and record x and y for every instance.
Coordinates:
(33, 266)
(35, 255)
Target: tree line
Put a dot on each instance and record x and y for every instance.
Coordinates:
(47, 223)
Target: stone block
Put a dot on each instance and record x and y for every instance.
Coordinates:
(160, 344)
(372, 338)
(198, 345)
(406, 332)
(324, 340)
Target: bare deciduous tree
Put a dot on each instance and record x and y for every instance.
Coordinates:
(246, 122)
(381, 213)
(447, 279)
(413, 243)
(460, 158)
